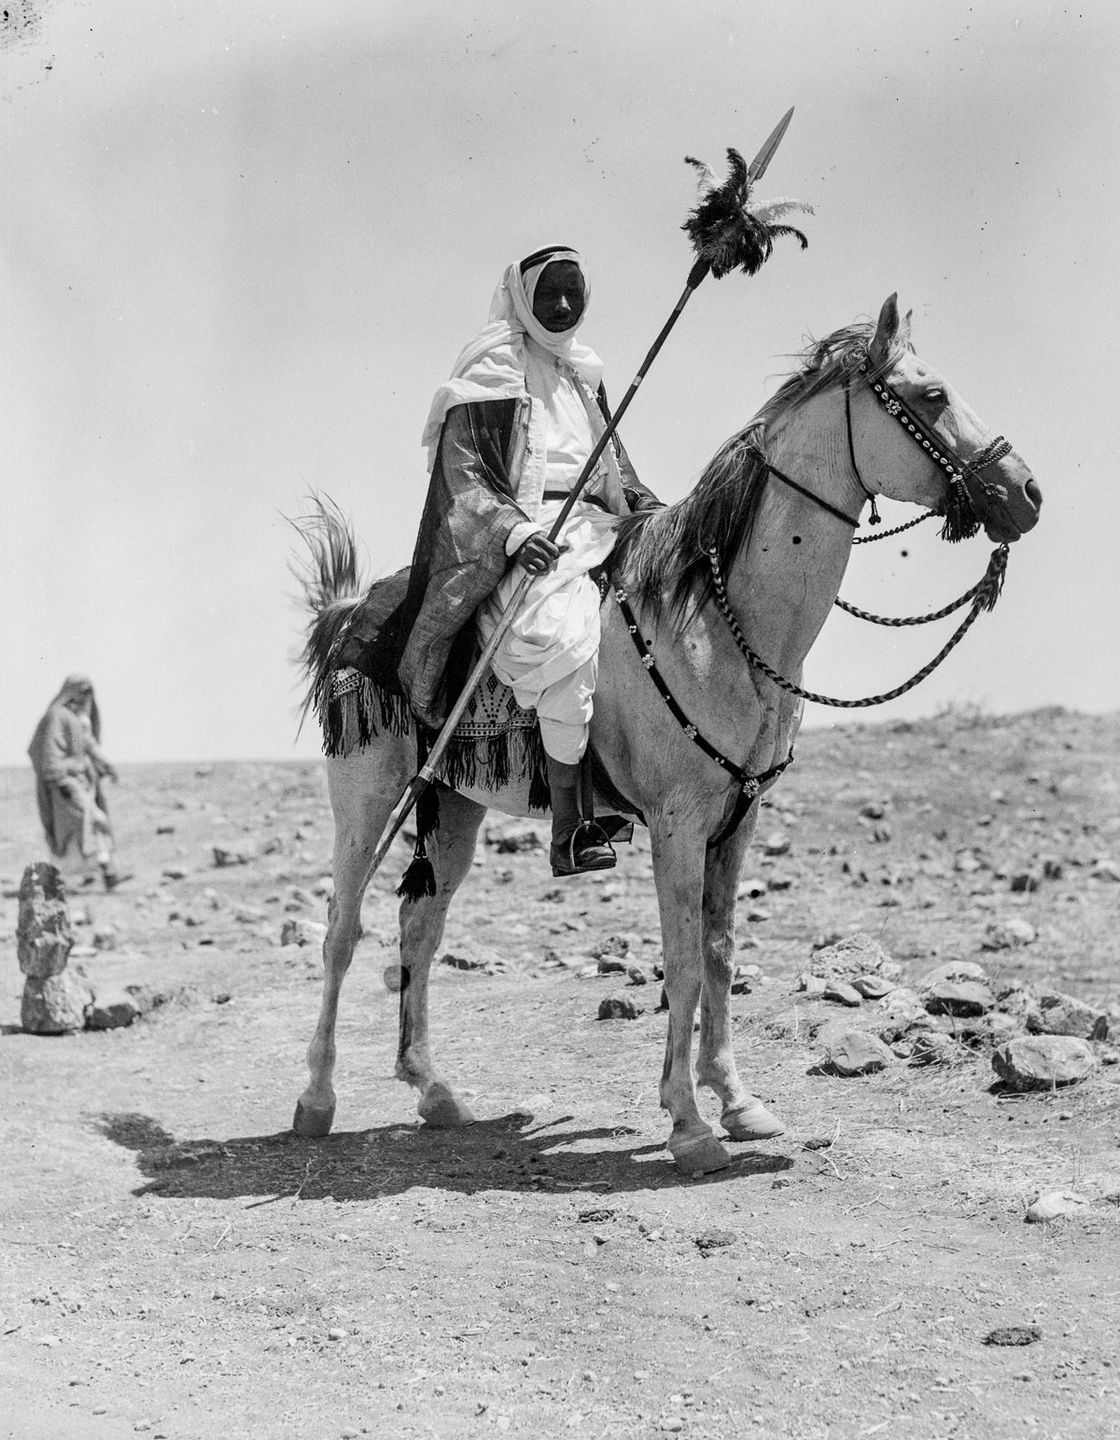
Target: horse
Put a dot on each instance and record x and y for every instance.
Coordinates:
(766, 532)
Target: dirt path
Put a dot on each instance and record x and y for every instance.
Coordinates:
(177, 1264)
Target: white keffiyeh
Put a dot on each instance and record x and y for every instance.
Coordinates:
(492, 365)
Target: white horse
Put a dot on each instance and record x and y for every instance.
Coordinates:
(769, 527)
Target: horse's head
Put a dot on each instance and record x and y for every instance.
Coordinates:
(914, 438)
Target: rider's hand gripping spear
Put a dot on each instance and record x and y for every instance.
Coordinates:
(725, 236)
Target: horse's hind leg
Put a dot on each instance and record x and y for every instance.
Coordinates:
(360, 815)
(451, 850)
(744, 1116)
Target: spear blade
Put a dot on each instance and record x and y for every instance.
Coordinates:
(758, 166)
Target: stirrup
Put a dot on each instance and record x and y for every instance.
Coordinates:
(586, 848)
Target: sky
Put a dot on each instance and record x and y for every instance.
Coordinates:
(242, 245)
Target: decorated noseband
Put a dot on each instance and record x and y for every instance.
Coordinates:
(961, 519)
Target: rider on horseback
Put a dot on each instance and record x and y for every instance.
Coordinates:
(508, 435)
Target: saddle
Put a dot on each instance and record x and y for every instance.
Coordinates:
(496, 744)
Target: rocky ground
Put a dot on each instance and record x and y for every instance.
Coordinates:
(931, 1250)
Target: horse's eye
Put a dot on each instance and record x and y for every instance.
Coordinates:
(935, 395)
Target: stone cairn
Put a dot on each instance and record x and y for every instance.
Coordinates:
(55, 999)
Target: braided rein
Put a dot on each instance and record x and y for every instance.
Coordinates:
(983, 596)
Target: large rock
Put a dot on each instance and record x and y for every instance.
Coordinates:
(1057, 1014)
(55, 1004)
(43, 934)
(849, 1051)
(958, 987)
(1043, 1062)
(852, 957)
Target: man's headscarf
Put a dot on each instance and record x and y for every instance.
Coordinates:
(492, 365)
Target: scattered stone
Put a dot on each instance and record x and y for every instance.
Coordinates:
(461, 962)
(777, 843)
(813, 986)
(617, 945)
(112, 1010)
(1106, 870)
(1008, 934)
(752, 889)
(611, 965)
(967, 862)
(55, 1004)
(1018, 1001)
(1043, 1062)
(959, 987)
(43, 934)
(902, 1017)
(105, 938)
(174, 872)
(996, 1029)
(756, 915)
(599, 1215)
(873, 810)
(934, 1047)
(1052, 1204)
(843, 994)
(637, 976)
(849, 1051)
(1059, 1014)
(817, 1142)
(872, 987)
(709, 1240)
(512, 836)
(302, 932)
(780, 882)
(244, 854)
(618, 1007)
(1052, 868)
(858, 954)
(1013, 1335)
(1024, 882)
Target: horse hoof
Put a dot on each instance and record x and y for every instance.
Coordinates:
(443, 1110)
(312, 1121)
(700, 1156)
(751, 1122)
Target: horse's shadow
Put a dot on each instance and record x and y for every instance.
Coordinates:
(512, 1152)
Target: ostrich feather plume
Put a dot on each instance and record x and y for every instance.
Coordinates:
(726, 231)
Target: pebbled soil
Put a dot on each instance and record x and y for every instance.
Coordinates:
(175, 1263)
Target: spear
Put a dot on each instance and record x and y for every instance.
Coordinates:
(725, 235)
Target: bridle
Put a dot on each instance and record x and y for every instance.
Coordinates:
(961, 519)
(960, 522)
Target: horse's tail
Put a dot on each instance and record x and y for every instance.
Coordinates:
(331, 585)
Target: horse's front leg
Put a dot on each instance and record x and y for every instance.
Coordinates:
(678, 867)
(451, 850)
(744, 1116)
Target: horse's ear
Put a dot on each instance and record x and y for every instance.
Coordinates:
(889, 333)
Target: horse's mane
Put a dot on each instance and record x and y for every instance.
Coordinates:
(663, 553)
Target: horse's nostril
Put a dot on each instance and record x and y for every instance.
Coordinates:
(1033, 493)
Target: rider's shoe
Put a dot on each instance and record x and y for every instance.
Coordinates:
(586, 848)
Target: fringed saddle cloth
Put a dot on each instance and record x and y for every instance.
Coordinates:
(496, 745)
